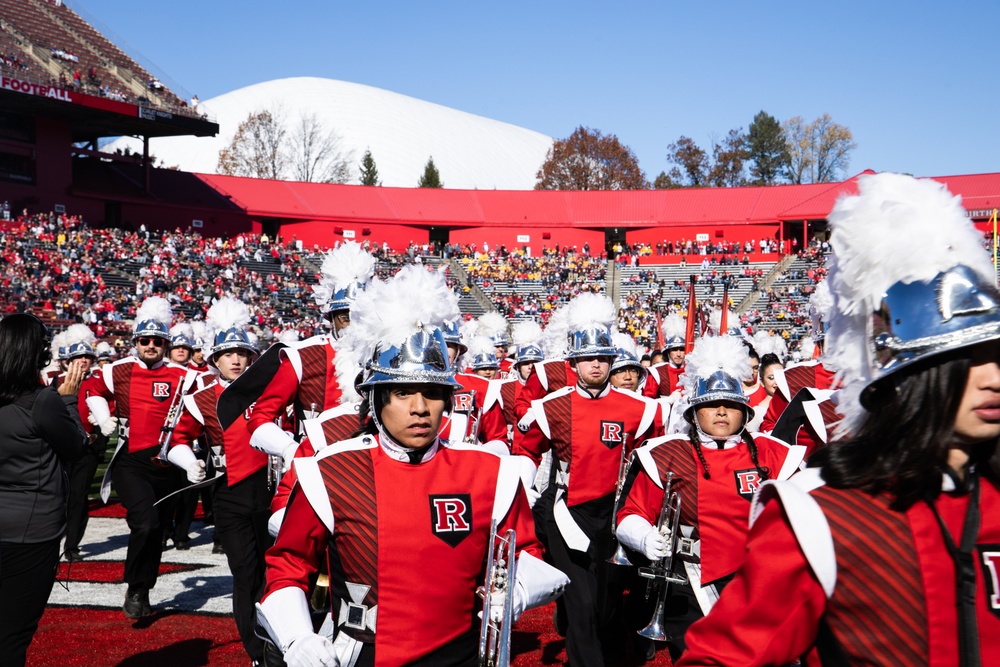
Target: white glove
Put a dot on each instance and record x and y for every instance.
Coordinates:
(196, 471)
(497, 601)
(288, 455)
(108, 427)
(533, 495)
(654, 545)
(311, 650)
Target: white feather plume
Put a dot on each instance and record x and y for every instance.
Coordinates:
(387, 313)
(622, 341)
(480, 345)
(349, 263)
(182, 328)
(712, 354)
(492, 324)
(898, 229)
(807, 347)
(674, 325)
(78, 333)
(348, 362)
(715, 321)
(289, 336)
(554, 342)
(103, 348)
(526, 332)
(764, 342)
(821, 303)
(200, 330)
(58, 340)
(227, 313)
(589, 310)
(155, 308)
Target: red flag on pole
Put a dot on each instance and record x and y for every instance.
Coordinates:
(692, 317)
(724, 320)
(659, 331)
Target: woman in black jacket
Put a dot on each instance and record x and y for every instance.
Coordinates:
(38, 427)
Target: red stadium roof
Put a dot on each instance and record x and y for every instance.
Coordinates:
(586, 209)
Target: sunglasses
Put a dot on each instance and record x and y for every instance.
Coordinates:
(149, 340)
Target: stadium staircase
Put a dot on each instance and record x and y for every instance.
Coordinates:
(675, 279)
(751, 299)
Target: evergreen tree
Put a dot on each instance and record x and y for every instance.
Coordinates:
(369, 172)
(767, 150)
(431, 177)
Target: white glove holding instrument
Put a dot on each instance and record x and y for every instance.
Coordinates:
(311, 650)
(639, 535)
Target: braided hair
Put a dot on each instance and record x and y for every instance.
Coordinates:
(763, 471)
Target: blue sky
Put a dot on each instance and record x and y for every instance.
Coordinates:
(918, 83)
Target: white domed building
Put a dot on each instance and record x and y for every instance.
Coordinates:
(470, 152)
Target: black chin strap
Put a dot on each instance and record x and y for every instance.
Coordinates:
(965, 573)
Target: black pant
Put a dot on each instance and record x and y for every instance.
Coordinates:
(81, 476)
(139, 484)
(27, 572)
(588, 602)
(241, 514)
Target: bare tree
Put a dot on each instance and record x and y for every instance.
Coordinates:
(818, 151)
(257, 148)
(316, 154)
(799, 143)
(833, 144)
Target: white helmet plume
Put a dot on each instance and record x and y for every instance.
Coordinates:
(155, 308)
(78, 333)
(227, 313)
(343, 266)
(712, 354)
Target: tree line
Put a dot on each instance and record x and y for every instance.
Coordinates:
(768, 153)
(269, 144)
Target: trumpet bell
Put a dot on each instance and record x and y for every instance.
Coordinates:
(654, 630)
(619, 557)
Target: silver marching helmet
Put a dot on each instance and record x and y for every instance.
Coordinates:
(674, 342)
(343, 298)
(484, 360)
(719, 386)
(233, 338)
(594, 341)
(529, 353)
(75, 350)
(627, 359)
(906, 329)
(182, 340)
(420, 359)
(453, 335)
(151, 327)
(62, 353)
(500, 340)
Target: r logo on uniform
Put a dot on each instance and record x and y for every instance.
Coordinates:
(989, 555)
(463, 402)
(451, 517)
(611, 433)
(747, 482)
(161, 391)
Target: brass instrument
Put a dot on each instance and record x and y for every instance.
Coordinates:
(167, 430)
(464, 403)
(619, 557)
(501, 575)
(660, 573)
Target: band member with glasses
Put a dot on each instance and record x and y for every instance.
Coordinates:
(146, 390)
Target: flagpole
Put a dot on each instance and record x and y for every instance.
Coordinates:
(996, 278)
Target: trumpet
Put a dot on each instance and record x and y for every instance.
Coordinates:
(660, 573)
(501, 575)
(619, 557)
(167, 430)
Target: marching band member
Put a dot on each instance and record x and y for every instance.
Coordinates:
(145, 389)
(105, 353)
(486, 413)
(494, 326)
(395, 497)
(181, 343)
(79, 341)
(883, 552)
(552, 373)
(716, 472)
(199, 362)
(241, 497)
(305, 375)
(586, 425)
(527, 339)
(664, 378)
(770, 366)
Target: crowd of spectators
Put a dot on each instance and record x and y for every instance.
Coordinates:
(12, 62)
(526, 286)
